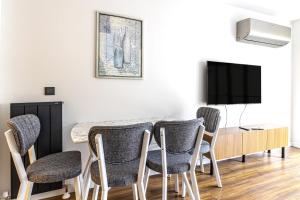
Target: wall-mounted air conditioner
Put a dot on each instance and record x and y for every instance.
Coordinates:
(262, 33)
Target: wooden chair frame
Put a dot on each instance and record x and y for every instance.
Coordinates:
(87, 176)
(212, 140)
(26, 186)
(212, 155)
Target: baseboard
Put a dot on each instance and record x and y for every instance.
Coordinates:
(295, 144)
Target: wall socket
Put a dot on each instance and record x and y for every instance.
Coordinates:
(49, 90)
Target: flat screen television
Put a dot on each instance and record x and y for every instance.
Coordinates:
(231, 83)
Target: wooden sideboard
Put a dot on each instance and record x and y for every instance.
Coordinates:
(234, 142)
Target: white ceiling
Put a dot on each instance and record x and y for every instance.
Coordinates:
(286, 9)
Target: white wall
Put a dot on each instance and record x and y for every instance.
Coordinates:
(296, 83)
(52, 43)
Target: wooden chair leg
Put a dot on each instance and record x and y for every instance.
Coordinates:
(146, 178)
(176, 183)
(183, 192)
(135, 192)
(195, 185)
(29, 186)
(22, 190)
(77, 187)
(95, 192)
(141, 191)
(102, 167)
(86, 185)
(86, 178)
(165, 187)
(201, 163)
(188, 186)
(164, 164)
(104, 194)
(215, 168)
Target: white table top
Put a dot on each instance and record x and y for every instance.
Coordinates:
(80, 132)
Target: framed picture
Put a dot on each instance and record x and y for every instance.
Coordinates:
(119, 52)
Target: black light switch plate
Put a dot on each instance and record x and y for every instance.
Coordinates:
(49, 90)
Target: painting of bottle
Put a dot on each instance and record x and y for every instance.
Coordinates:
(126, 47)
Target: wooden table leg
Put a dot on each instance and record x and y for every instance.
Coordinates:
(244, 158)
(282, 152)
(211, 168)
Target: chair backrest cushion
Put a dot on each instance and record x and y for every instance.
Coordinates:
(120, 143)
(211, 118)
(180, 136)
(26, 129)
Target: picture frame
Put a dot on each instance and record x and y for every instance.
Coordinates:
(119, 46)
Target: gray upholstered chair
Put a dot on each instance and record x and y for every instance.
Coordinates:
(24, 131)
(121, 153)
(212, 119)
(177, 139)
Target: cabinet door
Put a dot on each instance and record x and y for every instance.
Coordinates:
(254, 141)
(277, 138)
(228, 146)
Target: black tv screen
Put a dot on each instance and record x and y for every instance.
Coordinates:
(230, 83)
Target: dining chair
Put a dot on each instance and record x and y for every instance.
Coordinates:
(21, 136)
(179, 143)
(212, 119)
(121, 153)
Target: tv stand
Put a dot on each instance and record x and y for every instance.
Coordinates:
(233, 142)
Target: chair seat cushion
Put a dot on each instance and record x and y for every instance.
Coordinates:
(205, 147)
(118, 175)
(55, 167)
(176, 163)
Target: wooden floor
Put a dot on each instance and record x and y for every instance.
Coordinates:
(260, 178)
